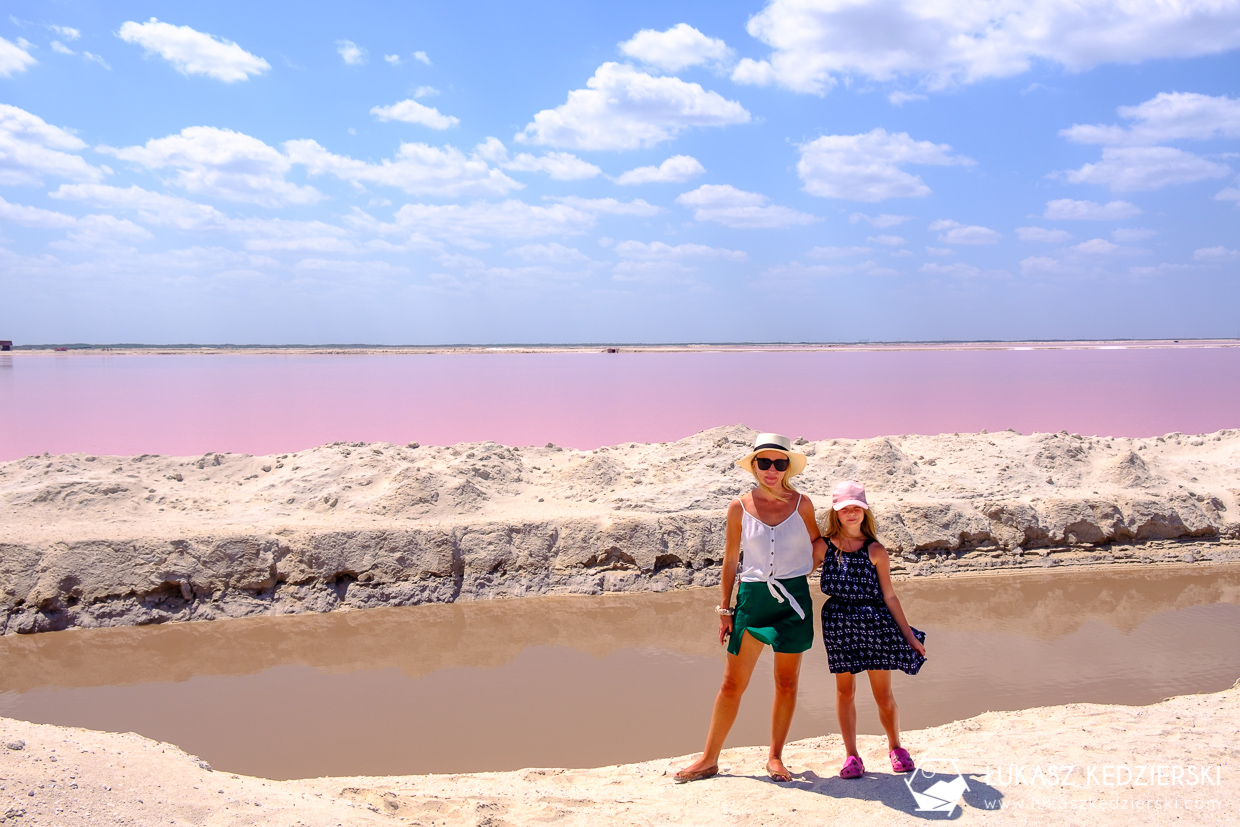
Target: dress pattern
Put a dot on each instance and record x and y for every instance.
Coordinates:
(857, 628)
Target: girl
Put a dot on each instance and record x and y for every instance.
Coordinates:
(773, 535)
(863, 626)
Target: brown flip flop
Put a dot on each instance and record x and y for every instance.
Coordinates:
(683, 777)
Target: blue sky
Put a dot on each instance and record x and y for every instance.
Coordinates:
(799, 170)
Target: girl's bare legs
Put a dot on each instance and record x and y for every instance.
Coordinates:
(846, 710)
(888, 712)
(736, 674)
(787, 676)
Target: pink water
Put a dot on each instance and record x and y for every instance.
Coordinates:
(188, 404)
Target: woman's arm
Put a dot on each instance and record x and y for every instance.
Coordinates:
(806, 511)
(882, 562)
(731, 557)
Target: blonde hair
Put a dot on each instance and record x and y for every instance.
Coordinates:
(783, 484)
(834, 527)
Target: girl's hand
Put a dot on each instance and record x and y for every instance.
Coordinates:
(918, 646)
(725, 628)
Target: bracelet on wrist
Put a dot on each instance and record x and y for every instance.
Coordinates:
(720, 610)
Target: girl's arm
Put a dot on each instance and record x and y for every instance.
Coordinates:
(731, 557)
(882, 562)
(815, 536)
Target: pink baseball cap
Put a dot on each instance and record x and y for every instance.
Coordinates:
(849, 492)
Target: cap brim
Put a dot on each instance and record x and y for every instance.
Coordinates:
(846, 503)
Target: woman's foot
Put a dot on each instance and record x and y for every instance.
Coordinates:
(777, 771)
(696, 771)
(853, 768)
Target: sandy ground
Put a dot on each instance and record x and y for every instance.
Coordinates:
(1077, 764)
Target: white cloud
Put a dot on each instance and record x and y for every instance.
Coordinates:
(550, 254)
(1066, 209)
(95, 231)
(939, 251)
(901, 253)
(93, 58)
(623, 108)
(796, 273)
(611, 206)
(61, 49)
(222, 163)
(677, 48)
(67, 32)
(1096, 247)
(880, 221)
(1214, 255)
(1231, 193)
(956, 269)
(735, 208)
(899, 98)
(350, 52)
(14, 58)
(815, 42)
(839, 252)
(410, 111)
(151, 207)
(36, 217)
(1042, 235)
(1139, 168)
(193, 52)
(887, 240)
(866, 167)
(278, 235)
(421, 57)
(417, 169)
(31, 148)
(393, 60)
(1132, 234)
(660, 271)
(506, 219)
(659, 251)
(425, 91)
(675, 170)
(561, 166)
(1168, 116)
(956, 233)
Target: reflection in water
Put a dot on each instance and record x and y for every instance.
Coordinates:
(587, 681)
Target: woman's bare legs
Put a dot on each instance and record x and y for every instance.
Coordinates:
(736, 674)
(787, 676)
(888, 712)
(846, 710)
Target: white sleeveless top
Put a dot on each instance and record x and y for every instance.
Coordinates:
(773, 553)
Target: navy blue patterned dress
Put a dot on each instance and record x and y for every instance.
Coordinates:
(857, 627)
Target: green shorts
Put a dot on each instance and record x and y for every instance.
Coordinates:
(775, 624)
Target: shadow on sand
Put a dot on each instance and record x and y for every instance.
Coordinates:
(893, 791)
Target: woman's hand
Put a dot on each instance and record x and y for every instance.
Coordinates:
(725, 628)
(918, 646)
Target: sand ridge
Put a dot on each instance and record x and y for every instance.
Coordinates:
(92, 540)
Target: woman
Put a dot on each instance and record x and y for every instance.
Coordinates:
(773, 535)
(863, 625)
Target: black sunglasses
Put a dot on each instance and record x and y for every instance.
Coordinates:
(765, 464)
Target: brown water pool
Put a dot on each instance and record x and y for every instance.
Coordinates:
(589, 681)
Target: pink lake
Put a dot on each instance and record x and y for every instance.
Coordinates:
(187, 404)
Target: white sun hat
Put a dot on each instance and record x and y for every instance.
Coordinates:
(774, 442)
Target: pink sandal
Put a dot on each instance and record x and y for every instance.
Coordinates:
(901, 761)
(853, 768)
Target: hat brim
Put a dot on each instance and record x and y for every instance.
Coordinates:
(842, 505)
(796, 460)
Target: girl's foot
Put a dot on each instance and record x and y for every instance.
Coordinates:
(901, 761)
(696, 772)
(853, 768)
(777, 771)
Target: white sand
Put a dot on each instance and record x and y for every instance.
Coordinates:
(1128, 765)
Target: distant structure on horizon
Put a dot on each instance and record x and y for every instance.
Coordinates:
(5, 344)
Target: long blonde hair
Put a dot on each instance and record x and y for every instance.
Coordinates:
(834, 527)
